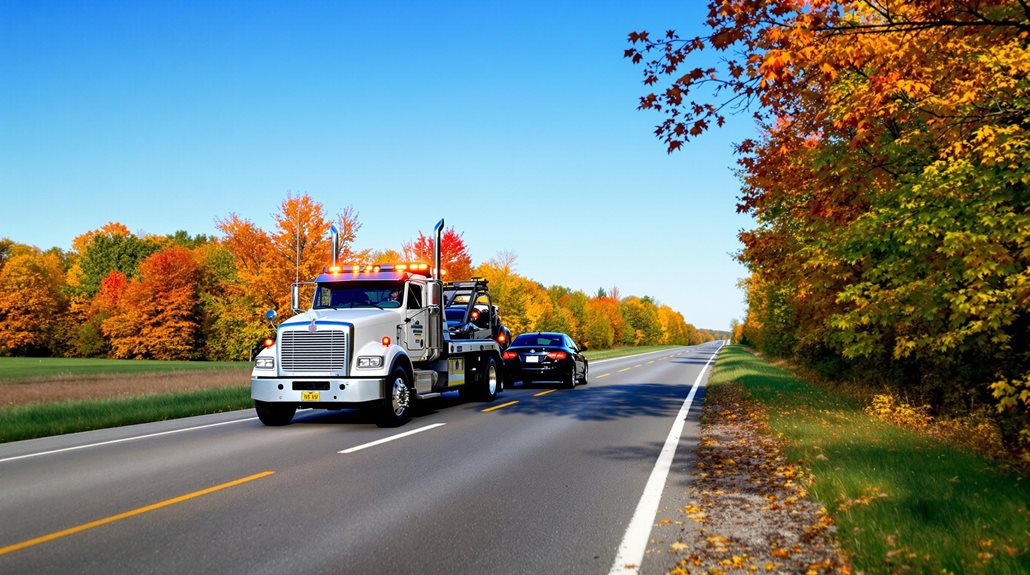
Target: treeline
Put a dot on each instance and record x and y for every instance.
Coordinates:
(119, 295)
(889, 187)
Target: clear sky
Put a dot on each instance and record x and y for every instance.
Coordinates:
(515, 121)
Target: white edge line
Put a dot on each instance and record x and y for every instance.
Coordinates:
(124, 439)
(634, 542)
(391, 438)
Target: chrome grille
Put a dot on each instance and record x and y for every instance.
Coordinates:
(321, 351)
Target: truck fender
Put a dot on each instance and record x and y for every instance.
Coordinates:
(400, 358)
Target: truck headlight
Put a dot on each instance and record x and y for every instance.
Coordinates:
(370, 361)
(265, 363)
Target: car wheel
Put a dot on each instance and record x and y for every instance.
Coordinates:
(586, 370)
(275, 414)
(570, 380)
(396, 408)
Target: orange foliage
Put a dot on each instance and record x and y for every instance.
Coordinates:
(454, 254)
(82, 241)
(155, 316)
(30, 299)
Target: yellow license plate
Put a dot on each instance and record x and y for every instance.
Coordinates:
(309, 396)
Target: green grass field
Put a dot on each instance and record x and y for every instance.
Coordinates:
(23, 368)
(902, 502)
(41, 420)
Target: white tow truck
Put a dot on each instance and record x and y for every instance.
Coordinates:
(380, 337)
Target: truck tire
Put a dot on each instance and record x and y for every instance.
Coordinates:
(490, 384)
(396, 408)
(274, 414)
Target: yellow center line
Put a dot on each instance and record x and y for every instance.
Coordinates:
(602, 375)
(650, 362)
(500, 406)
(544, 392)
(625, 369)
(127, 514)
(637, 365)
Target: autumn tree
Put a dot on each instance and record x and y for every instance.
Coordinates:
(31, 300)
(889, 182)
(454, 254)
(597, 327)
(267, 263)
(98, 252)
(524, 304)
(156, 316)
(298, 248)
(643, 325)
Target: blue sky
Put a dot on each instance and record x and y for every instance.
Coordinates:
(516, 122)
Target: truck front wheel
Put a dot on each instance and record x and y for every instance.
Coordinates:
(275, 414)
(396, 408)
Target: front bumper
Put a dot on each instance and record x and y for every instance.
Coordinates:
(340, 390)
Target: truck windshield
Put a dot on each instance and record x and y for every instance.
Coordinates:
(357, 294)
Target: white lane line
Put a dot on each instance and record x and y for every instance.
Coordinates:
(634, 542)
(391, 438)
(113, 441)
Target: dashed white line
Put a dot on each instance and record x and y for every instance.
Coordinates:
(391, 438)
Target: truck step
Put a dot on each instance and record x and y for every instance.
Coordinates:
(422, 396)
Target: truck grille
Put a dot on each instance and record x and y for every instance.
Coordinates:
(322, 351)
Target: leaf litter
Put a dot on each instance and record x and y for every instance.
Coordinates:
(748, 510)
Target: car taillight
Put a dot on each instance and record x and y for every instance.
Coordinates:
(557, 354)
(509, 355)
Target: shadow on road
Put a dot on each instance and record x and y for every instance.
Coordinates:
(611, 402)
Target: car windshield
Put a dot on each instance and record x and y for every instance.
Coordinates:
(531, 339)
(357, 294)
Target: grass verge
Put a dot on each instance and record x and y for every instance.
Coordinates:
(624, 351)
(44, 419)
(22, 368)
(902, 502)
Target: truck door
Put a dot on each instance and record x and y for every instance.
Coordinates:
(416, 326)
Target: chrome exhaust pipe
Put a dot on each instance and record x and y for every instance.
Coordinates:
(437, 272)
(335, 235)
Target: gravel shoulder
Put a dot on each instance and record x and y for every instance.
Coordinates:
(747, 510)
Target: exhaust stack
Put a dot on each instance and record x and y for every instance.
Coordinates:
(335, 235)
(437, 275)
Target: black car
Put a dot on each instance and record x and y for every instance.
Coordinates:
(545, 356)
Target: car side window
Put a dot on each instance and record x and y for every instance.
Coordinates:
(571, 345)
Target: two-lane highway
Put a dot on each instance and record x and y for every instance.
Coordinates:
(539, 481)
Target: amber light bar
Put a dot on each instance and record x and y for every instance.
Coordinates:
(376, 268)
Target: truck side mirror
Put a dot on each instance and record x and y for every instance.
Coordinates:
(270, 317)
(295, 298)
(435, 293)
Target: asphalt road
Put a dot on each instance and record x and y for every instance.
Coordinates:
(546, 485)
